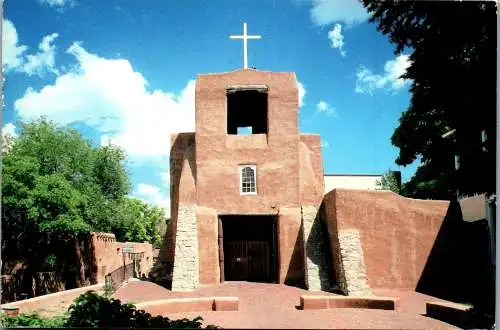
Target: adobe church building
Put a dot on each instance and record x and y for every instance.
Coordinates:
(239, 201)
(252, 207)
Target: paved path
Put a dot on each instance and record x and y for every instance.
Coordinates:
(273, 306)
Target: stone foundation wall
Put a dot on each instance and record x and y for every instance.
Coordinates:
(316, 275)
(351, 254)
(186, 265)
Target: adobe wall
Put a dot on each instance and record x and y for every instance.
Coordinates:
(291, 246)
(207, 183)
(37, 304)
(208, 245)
(219, 155)
(380, 239)
(186, 258)
(179, 144)
(211, 106)
(109, 254)
(311, 194)
(311, 170)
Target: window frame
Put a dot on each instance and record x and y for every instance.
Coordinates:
(240, 171)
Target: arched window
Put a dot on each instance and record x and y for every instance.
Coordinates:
(247, 180)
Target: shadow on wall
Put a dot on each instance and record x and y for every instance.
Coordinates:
(319, 253)
(76, 267)
(458, 267)
(161, 273)
(295, 275)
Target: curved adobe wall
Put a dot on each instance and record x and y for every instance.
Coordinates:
(391, 236)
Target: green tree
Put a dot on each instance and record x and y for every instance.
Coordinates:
(390, 181)
(452, 48)
(138, 221)
(7, 142)
(109, 172)
(56, 183)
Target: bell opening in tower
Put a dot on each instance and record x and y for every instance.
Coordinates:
(247, 110)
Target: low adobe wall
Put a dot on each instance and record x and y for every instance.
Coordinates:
(36, 303)
(109, 255)
(185, 305)
(325, 302)
(380, 239)
(456, 314)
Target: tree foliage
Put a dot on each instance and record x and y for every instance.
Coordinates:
(57, 183)
(390, 181)
(32, 320)
(91, 310)
(452, 48)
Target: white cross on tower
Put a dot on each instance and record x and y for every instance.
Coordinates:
(245, 37)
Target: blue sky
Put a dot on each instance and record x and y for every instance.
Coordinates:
(123, 71)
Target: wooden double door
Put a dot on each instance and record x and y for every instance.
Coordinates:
(247, 248)
(248, 261)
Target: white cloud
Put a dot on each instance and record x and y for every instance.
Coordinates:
(302, 93)
(15, 57)
(154, 195)
(337, 39)
(165, 178)
(44, 60)
(9, 129)
(367, 82)
(108, 95)
(147, 190)
(324, 144)
(12, 52)
(324, 12)
(324, 108)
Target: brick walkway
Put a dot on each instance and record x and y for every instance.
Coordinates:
(273, 306)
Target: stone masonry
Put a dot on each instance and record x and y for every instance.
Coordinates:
(351, 254)
(317, 277)
(186, 265)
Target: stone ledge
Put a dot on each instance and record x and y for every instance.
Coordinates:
(182, 305)
(325, 302)
(453, 313)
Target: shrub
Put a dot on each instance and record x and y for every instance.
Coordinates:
(94, 311)
(108, 288)
(32, 320)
